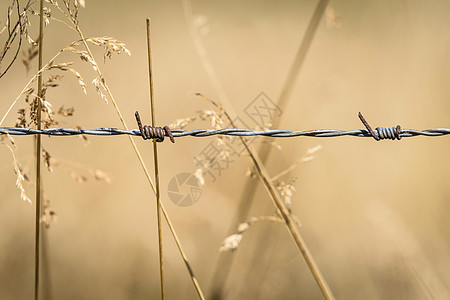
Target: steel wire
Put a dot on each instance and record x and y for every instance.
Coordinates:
(226, 131)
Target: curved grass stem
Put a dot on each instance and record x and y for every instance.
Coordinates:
(282, 210)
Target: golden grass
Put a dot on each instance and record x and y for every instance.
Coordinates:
(355, 254)
(110, 45)
(282, 209)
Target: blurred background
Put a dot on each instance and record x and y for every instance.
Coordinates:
(373, 214)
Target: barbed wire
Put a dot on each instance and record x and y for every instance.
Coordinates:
(230, 132)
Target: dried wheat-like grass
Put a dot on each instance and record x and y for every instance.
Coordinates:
(47, 160)
(214, 117)
(332, 19)
(19, 183)
(15, 31)
(283, 211)
(76, 176)
(100, 87)
(199, 175)
(307, 157)
(220, 275)
(74, 169)
(28, 90)
(100, 175)
(21, 175)
(48, 214)
(110, 44)
(233, 241)
(66, 112)
(286, 190)
(29, 55)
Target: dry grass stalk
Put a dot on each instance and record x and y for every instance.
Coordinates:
(38, 157)
(283, 211)
(208, 66)
(72, 16)
(222, 270)
(111, 45)
(28, 90)
(155, 156)
(322, 7)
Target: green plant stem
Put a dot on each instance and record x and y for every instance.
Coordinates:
(38, 157)
(155, 156)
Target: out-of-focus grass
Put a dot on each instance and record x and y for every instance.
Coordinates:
(387, 60)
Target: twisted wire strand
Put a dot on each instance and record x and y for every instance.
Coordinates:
(384, 133)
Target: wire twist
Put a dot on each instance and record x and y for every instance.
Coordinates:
(389, 133)
(381, 133)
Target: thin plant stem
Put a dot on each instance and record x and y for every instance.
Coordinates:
(38, 158)
(302, 51)
(283, 211)
(284, 172)
(285, 96)
(183, 255)
(144, 167)
(155, 156)
(201, 51)
(46, 277)
(225, 260)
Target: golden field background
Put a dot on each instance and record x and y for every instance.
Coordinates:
(374, 214)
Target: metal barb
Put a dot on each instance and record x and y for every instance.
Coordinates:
(374, 134)
(150, 132)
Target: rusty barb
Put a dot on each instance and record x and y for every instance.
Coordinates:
(150, 132)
